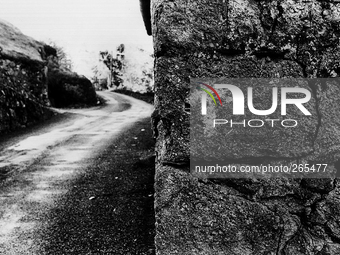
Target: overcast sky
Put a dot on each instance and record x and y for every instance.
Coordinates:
(81, 26)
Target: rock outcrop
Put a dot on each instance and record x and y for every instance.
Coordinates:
(23, 94)
(246, 39)
(31, 80)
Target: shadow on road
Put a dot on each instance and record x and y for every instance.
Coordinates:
(110, 208)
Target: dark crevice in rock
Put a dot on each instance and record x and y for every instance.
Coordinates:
(276, 20)
(284, 244)
(288, 242)
(320, 190)
(231, 52)
(155, 119)
(314, 87)
(299, 43)
(333, 237)
(281, 236)
(303, 67)
(162, 52)
(180, 165)
(337, 167)
(308, 225)
(225, 14)
(272, 54)
(261, 9)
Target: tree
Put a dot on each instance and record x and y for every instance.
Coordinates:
(138, 70)
(100, 76)
(64, 61)
(114, 64)
(129, 67)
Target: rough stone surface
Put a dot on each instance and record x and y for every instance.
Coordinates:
(245, 39)
(16, 45)
(316, 138)
(244, 216)
(23, 94)
(30, 80)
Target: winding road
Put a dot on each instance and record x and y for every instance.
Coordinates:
(64, 185)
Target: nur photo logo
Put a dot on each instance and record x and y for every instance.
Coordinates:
(262, 127)
(293, 96)
(204, 96)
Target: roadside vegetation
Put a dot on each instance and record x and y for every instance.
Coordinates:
(65, 87)
(127, 68)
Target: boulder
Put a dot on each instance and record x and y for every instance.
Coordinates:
(246, 39)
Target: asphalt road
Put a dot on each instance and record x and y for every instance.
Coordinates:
(80, 184)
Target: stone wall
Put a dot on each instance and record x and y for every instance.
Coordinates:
(243, 39)
(31, 79)
(23, 92)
